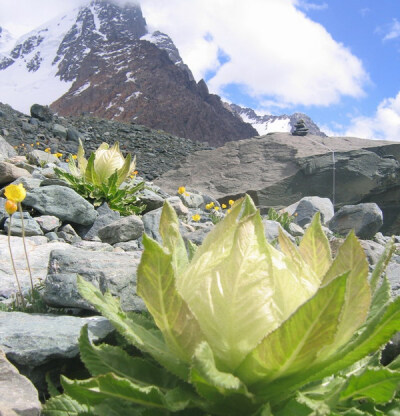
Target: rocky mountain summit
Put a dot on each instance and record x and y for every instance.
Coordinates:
(265, 124)
(100, 59)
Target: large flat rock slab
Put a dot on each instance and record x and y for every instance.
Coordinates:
(279, 169)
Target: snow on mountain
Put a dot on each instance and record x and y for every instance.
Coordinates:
(267, 123)
(7, 41)
(45, 62)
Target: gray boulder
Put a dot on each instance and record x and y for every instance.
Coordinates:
(62, 202)
(115, 272)
(60, 131)
(38, 253)
(6, 150)
(279, 169)
(151, 199)
(39, 157)
(151, 223)
(41, 112)
(10, 172)
(29, 226)
(48, 223)
(105, 216)
(124, 229)
(305, 209)
(18, 396)
(271, 230)
(365, 219)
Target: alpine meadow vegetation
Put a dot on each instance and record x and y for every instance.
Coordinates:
(237, 327)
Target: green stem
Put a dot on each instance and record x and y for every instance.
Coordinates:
(23, 240)
(13, 264)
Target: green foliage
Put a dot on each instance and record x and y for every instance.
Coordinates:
(101, 179)
(240, 328)
(283, 218)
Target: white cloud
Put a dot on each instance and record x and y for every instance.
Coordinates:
(393, 30)
(312, 6)
(384, 124)
(276, 52)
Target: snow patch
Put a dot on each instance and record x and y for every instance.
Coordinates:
(135, 95)
(130, 77)
(82, 88)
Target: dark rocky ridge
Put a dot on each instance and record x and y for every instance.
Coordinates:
(139, 82)
(156, 151)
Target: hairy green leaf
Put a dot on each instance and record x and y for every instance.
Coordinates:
(156, 285)
(379, 385)
(105, 358)
(63, 405)
(350, 258)
(172, 239)
(149, 341)
(314, 248)
(90, 173)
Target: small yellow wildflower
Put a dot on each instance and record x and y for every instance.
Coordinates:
(10, 207)
(58, 155)
(210, 205)
(223, 206)
(231, 202)
(32, 145)
(47, 150)
(15, 193)
(23, 144)
(186, 194)
(228, 211)
(196, 217)
(74, 157)
(181, 190)
(67, 160)
(216, 208)
(15, 147)
(37, 143)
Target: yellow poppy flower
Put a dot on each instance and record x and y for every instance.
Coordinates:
(181, 190)
(16, 193)
(196, 217)
(231, 202)
(10, 207)
(74, 157)
(223, 206)
(210, 205)
(47, 150)
(216, 208)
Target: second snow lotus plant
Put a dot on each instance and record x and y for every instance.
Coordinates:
(101, 178)
(240, 328)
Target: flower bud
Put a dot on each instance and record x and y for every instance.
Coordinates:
(10, 207)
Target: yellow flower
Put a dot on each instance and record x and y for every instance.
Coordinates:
(15, 193)
(223, 206)
(23, 144)
(32, 144)
(10, 207)
(47, 150)
(228, 211)
(37, 143)
(231, 202)
(196, 217)
(186, 194)
(181, 190)
(67, 160)
(210, 205)
(74, 157)
(216, 208)
(58, 155)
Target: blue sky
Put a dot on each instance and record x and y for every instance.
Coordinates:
(336, 60)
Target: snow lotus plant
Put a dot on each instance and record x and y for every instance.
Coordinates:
(240, 328)
(100, 178)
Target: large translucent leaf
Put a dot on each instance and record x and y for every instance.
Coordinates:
(82, 162)
(147, 340)
(126, 168)
(351, 258)
(295, 345)
(377, 384)
(239, 287)
(105, 387)
(379, 330)
(107, 161)
(156, 285)
(314, 248)
(91, 175)
(224, 392)
(105, 359)
(64, 405)
(172, 239)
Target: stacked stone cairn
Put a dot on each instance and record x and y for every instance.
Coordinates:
(300, 128)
